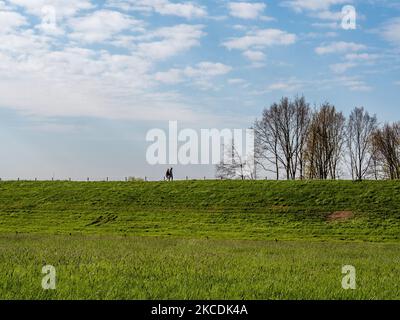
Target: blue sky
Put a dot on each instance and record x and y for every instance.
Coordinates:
(81, 82)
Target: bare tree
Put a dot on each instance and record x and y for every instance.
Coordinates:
(386, 142)
(286, 138)
(266, 141)
(377, 167)
(360, 127)
(236, 165)
(325, 143)
(292, 139)
(281, 137)
(303, 120)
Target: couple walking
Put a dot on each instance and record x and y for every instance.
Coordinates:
(169, 175)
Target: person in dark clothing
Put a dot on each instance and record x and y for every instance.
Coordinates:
(171, 174)
(168, 175)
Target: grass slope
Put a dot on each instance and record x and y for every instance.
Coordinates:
(260, 210)
(112, 267)
(189, 240)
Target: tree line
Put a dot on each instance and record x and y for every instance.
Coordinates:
(295, 141)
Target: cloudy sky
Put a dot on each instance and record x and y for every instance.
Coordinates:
(82, 81)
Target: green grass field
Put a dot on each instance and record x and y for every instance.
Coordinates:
(199, 239)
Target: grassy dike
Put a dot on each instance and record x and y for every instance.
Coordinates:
(191, 239)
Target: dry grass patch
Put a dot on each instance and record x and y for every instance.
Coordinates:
(340, 215)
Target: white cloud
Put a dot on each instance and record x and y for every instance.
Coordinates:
(9, 21)
(200, 73)
(319, 9)
(391, 31)
(339, 47)
(172, 76)
(169, 41)
(23, 42)
(63, 8)
(101, 25)
(353, 60)
(289, 85)
(56, 77)
(328, 15)
(71, 81)
(361, 57)
(236, 81)
(313, 5)
(79, 83)
(278, 86)
(240, 27)
(3, 6)
(295, 85)
(342, 67)
(261, 39)
(246, 10)
(186, 10)
(122, 83)
(42, 98)
(354, 84)
(317, 35)
(328, 25)
(207, 69)
(254, 56)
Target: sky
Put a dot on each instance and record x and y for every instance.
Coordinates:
(83, 81)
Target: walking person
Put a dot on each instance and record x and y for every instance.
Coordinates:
(168, 175)
(171, 174)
